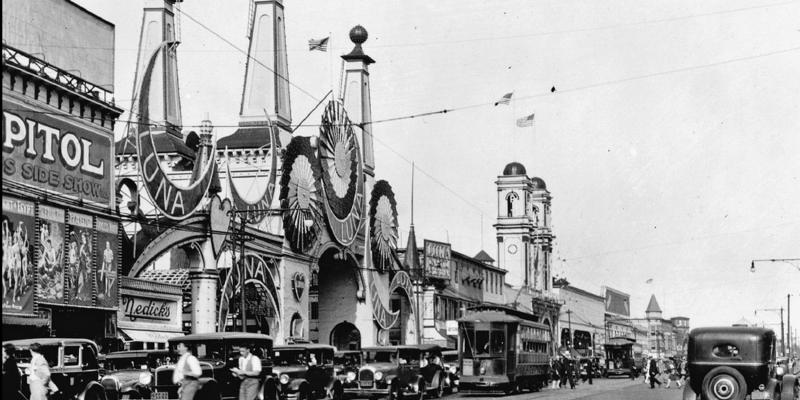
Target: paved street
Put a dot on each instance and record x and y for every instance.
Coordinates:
(602, 389)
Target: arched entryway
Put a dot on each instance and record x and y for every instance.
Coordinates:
(345, 336)
(336, 294)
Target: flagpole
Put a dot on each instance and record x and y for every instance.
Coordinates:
(330, 59)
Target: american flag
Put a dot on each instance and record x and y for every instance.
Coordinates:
(505, 99)
(318, 44)
(525, 121)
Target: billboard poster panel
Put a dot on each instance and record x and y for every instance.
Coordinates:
(79, 259)
(19, 220)
(106, 262)
(53, 154)
(51, 253)
(617, 302)
(437, 260)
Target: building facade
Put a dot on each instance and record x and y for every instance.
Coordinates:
(581, 321)
(60, 227)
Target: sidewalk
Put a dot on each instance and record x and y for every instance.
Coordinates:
(584, 389)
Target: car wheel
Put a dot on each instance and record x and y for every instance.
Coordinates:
(724, 383)
(337, 391)
(789, 388)
(303, 393)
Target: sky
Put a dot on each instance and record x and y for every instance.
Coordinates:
(671, 145)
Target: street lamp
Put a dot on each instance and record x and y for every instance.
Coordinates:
(790, 261)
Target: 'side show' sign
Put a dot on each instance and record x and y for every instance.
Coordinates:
(51, 154)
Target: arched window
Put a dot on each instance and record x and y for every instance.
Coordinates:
(510, 199)
(296, 326)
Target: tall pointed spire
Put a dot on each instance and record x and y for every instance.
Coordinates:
(355, 92)
(158, 25)
(411, 261)
(266, 82)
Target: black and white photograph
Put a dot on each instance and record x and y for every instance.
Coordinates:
(521, 199)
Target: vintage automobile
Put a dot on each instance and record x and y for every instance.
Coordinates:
(129, 374)
(306, 371)
(732, 363)
(450, 365)
(398, 371)
(623, 358)
(73, 366)
(346, 363)
(217, 352)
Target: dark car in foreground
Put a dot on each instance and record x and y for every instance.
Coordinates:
(305, 371)
(346, 364)
(217, 352)
(129, 374)
(732, 363)
(73, 366)
(399, 371)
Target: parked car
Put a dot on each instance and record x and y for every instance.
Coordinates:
(217, 352)
(305, 371)
(346, 363)
(129, 374)
(73, 366)
(450, 365)
(398, 371)
(731, 363)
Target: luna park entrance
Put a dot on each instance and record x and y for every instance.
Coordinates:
(260, 297)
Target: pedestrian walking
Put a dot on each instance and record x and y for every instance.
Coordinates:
(652, 373)
(670, 374)
(563, 372)
(38, 373)
(682, 371)
(11, 376)
(249, 372)
(555, 365)
(589, 371)
(187, 372)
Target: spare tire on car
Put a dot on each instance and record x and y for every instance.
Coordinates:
(724, 383)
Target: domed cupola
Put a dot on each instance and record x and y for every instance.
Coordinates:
(514, 168)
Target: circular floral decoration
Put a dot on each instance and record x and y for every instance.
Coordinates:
(383, 232)
(300, 194)
(339, 156)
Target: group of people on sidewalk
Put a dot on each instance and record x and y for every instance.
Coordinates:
(658, 370)
(38, 374)
(564, 370)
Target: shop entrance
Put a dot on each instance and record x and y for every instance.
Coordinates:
(337, 301)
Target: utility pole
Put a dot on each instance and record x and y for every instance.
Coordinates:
(783, 338)
(569, 321)
(789, 322)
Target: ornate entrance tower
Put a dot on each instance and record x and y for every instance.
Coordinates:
(524, 239)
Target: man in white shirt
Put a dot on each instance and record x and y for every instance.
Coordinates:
(249, 372)
(187, 372)
(38, 374)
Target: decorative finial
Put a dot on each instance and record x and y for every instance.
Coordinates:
(358, 35)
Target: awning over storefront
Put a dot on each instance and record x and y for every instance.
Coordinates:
(25, 321)
(135, 335)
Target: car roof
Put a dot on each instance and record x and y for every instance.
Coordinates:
(740, 331)
(421, 347)
(134, 353)
(312, 346)
(220, 336)
(49, 341)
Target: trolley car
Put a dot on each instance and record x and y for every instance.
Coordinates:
(501, 352)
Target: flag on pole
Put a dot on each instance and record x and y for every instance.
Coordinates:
(525, 121)
(318, 44)
(649, 280)
(505, 99)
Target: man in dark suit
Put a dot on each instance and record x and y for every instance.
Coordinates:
(653, 371)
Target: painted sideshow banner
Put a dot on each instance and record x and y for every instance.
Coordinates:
(79, 259)
(18, 237)
(51, 254)
(106, 262)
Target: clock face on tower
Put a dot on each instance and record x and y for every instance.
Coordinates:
(342, 177)
(512, 249)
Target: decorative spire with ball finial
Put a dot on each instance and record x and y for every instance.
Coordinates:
(358, 35)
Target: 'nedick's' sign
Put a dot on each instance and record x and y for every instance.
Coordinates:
(47, 153)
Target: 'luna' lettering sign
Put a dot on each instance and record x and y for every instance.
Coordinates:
(174, 201)
(135, 308)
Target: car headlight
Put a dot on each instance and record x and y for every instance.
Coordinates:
(779, 371)
(145, 378)
(351, 376)
(378, 375)
(284, 379)
(483, 370)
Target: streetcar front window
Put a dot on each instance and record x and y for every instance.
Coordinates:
(482, 342)
(498, 342)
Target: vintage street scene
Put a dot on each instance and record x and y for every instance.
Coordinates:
(515, 199)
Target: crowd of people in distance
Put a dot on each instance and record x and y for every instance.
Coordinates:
(565, 370)
(658, 371)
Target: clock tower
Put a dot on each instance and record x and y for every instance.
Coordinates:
(524, 238)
